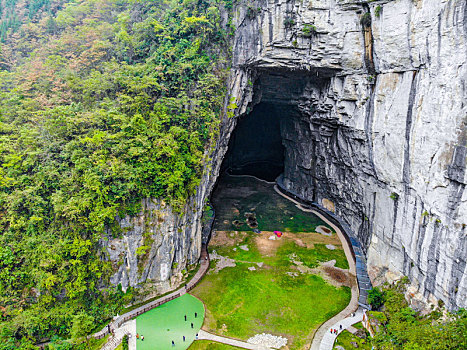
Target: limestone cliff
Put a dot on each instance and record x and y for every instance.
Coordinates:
(375, 99)
(155, 247)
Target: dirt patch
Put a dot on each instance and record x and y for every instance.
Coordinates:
(226, 238)
(221, 262)
(266, 246)
(338, 277)
(300, 243)
(310, 238)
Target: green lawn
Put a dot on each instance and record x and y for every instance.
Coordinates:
(210, 345)
(165, 323)
(279, 297)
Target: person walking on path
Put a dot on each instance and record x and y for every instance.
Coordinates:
(173, 343)
(185, 318)
(191, 325)
(142, 337)
(340, 327)
(137, 335)
(183, 338)
(196, 314)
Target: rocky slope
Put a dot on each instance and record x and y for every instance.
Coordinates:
(374, 123)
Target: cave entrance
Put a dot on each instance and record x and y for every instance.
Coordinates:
(260, 144)
(256, 146)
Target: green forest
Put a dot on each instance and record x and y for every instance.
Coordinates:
(102, 103)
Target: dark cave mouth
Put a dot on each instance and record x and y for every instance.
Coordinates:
(255, 146)
(258, 146)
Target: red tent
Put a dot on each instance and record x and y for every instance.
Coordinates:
(278, 233)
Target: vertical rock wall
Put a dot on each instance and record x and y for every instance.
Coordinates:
(382, 140)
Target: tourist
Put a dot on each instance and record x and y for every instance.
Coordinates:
(185, 318)
(183, 338)
(142, 337)
(196, 314)
(173, 343)
(331, 330)
(340, 327)
(196, 336)
(137, 335)
(192, 325)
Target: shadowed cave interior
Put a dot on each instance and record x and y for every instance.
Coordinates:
(261, 142)
(255, 146)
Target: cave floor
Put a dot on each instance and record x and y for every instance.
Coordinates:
(285, 286)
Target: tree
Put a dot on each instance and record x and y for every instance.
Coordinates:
(82, 326)
(375, 298)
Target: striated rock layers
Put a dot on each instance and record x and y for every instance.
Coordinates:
(373, 99)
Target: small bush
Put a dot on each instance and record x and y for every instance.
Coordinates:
(125, 342)
(366, 20)
(394, 196)
(375, 298)
(252, 12)
(289, 22)
(378, 11)
(309, 30)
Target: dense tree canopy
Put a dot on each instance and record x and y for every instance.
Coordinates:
(405, 329)
(102, 103)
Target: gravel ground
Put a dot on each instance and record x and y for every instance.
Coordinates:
(268, 340)
(223, 261)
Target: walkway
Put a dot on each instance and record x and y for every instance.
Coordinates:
(126, 328)
(327, 342)
(233, 342)
(323, 336)
(118, 324)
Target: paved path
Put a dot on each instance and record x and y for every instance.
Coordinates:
(233, 342)
(352, 329)
(327, 343)
(126, 328)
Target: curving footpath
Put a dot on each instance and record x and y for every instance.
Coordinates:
(327, 341)
(323, 339)
(118, 326)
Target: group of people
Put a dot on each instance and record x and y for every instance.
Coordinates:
(138, 336)
(335, 331)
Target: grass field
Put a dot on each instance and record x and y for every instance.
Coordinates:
(210, 345)
(285, 294)
(165, 323)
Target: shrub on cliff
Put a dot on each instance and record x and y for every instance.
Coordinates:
(375, 298)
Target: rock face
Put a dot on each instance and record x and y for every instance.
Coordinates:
(156, 245)
(373, 120)
(373, 97)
